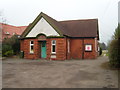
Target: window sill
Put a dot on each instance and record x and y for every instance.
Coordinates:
(53, 53)
(31, 53)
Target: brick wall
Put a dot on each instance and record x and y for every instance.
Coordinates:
(60, 49)
(25, 46)
(77, 49)
(93, 53)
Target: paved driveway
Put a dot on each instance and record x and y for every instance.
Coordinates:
(58, 74)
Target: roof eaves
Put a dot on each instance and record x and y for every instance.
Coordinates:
(28, 29)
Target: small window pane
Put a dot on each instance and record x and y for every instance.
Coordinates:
(53, 42)
(31, 42)
(53, 48)
(31, 47)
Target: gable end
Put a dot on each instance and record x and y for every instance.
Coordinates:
(32, 25)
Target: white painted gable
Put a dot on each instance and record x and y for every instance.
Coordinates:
(42, 27)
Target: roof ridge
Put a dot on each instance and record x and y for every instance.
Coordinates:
(11, 25)
(48, 16)
(79, 20)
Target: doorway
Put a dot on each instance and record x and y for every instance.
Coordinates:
(43, 49)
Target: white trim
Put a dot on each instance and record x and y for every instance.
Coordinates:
(30, 47)
(53, 44)
(98, 48)
(53, 56)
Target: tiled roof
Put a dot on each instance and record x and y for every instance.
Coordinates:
(80, 28)
(9, 30)
(71, 28)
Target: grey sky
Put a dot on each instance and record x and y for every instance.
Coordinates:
(119, 12)
(23, 12)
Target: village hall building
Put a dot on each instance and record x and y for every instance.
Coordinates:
(46, 38)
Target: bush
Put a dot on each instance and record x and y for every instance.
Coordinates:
(113, 53)
(15, 44)
(9, 53)
(12, 43)
(113, 50)
(100, 53)
(5, 48)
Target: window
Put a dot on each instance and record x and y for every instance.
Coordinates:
(13, 33)
(88, 47)
(53, 46)
(7, 33)
(31, 46)
(18, 36)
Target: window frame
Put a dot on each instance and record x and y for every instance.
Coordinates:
(31, 51)
(53, 44)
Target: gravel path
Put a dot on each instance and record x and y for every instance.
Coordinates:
(58, 74)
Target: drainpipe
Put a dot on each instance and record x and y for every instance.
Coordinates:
(83, 48)
(66, 47)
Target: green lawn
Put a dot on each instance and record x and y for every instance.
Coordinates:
(104, 53)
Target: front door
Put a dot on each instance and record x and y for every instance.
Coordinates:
(43, 49)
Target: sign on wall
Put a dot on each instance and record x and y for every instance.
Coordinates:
(88, 47)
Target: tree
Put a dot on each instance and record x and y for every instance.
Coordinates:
(2, 20)
(114, 49)
(11, 45)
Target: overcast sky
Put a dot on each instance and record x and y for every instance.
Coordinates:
(23, 12)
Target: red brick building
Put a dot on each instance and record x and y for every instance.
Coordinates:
(60, 40)
(8, 31)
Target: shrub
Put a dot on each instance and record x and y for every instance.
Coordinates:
(100, 53)
(9, 53)
(113, 50)
(113, 53)
(12, 43)
(5, 48)
(16, 44)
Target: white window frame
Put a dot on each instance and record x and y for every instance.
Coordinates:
(53, 44)
(7, 33)
(31, 51)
